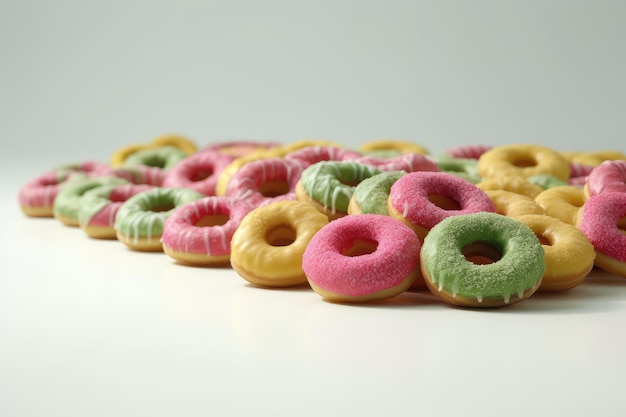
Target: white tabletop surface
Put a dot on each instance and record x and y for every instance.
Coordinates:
(91, 328)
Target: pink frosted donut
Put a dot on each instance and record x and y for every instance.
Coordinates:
(310, 155)
(609, 176)
(362, 257)
(265, 181)
(36, 196)
(198, 171)
(578, 173)
(238, 148)
(423, 199)
(408, 162)
(200, 232)
(467, 151)
(603, 220)
(98, 207)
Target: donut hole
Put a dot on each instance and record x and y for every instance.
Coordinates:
(360, 247)
(444, 202)
(481, 253)
(524, 161)
(621, 225)
(201, 175)
(162, 207)
(209, 220)
(544, 240)
(274, 188)
(281, 235)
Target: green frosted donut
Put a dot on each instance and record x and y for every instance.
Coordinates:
(371, 195)
(482, 259)
(466, 168)
(332, 183)
(139, 221)
(162, 157)
(68, 201)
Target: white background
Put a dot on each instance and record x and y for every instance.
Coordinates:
(88, 328)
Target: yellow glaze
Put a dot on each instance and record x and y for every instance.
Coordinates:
(562, 202)
(184, 144)
(513, 184)
(402, 146)
(524, 161)
(512, 204)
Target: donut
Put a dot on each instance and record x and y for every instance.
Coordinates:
(310, 155)
(139, 221)
(594, 158)
(329, 185)
(99, 205)
(275, 152)
(569, 255)
(522, 160)
(371, 195)
(268, 245)
(140, 174)
(120, 156)
(466, 168)
(423, 199)
(512, 204)
(408, 162)
(265, 181)
(400, 146)
(517, 185)
(602, 220)
(609, 176)
(164, 157)
(546, 181)
(238, 148)
(482, 260)
(199, 232)
(467, 151)
(361, 258)
(68, 201)
(36, 196)
(198, 171)
(563, 202)
(579, 173)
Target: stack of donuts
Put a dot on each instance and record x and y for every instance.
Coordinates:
(478, 226)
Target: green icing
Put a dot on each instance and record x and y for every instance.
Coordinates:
(330, 182)
(546, 181)
(521, 266)
(93, 202)
(466, 168)
(69, 199)
(372, 193)
(162, 157)
(137, 216)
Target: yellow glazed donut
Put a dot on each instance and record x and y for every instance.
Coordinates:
(275, 152)
(401, 146)
(180, 142)
(267, 247)
(594, 158)
(516, 185)
(512, 204)
(522, 160)
(563, 202)
(569, 254)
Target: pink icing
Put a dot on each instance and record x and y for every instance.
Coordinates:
(409, 196)
(310, 155)
(409, 162)
(246, 183)
(181, 234)
(238, 148)
(609, 176)
(601, 213)
(467, 151)
(199, 171)
(117, 197)
(397, 254)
